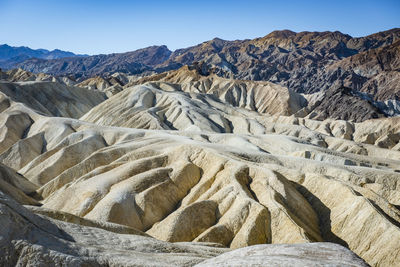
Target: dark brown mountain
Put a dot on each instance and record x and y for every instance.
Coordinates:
(344, 104)
(375, 72)
(135, 62)
(306, 62)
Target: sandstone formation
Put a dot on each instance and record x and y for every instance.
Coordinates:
(20, 75)
(181, 164)
(110, 86)
(50, 98)
(32, 240)
(198, 105)
(281, 150)
(341, 103)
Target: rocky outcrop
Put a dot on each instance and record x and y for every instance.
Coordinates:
(375, 72)
(342, 104)
(20, 75)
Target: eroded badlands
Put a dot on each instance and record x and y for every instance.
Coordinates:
(163, 173)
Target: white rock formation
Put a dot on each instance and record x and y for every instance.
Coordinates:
(31, 240)
(207, 171)
(50, 98)
(313, 254)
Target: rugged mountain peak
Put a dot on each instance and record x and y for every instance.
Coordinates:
(301, 39)
(133, 62)
(392, 33)
(217, 40)
(282, 34)
(304, 62)
(152, 55)
(375, 40)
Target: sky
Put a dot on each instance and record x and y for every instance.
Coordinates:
(102, 27)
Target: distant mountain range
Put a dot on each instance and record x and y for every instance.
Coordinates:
(306, 62)
(12, 55)
(136, 62)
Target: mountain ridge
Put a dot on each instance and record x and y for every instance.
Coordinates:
(305, 62)
(11, 55)
(278, 34)
(185, 166)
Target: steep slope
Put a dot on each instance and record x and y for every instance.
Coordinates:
(342, 103)
(294, 60)
(266, 97)
(17, 186)
(164, 105)
(110, 85)
(304, 62)
(29, 239)
(32, 240)
(276, 179)
(50, 98)
(375, 72)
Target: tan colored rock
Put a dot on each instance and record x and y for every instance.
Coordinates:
(70, 218)
(313, 254)
(186, 224)
(216, 173)
(53, 99)
(16, 186)
(33, 240)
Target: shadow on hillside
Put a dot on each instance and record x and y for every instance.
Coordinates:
(324, 216)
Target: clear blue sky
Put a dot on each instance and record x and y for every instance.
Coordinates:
(100, 26)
